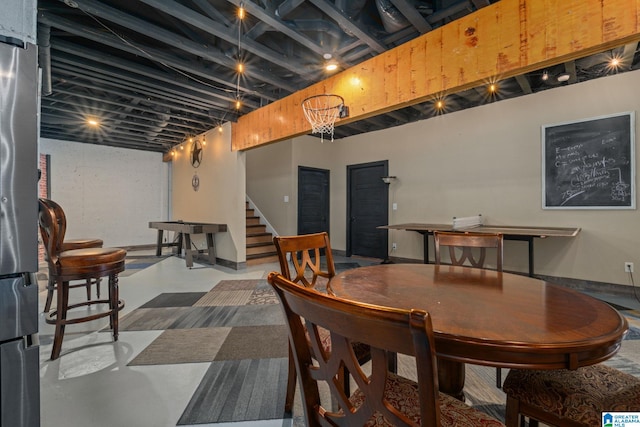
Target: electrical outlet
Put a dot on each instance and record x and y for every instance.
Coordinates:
(394, 246)
(628, 267)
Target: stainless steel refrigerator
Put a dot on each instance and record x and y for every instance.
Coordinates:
(19, 352)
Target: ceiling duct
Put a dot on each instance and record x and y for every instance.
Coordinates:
(351, 8)
(391, 17)
(44, 57)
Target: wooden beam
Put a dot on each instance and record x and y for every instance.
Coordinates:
(506, 39)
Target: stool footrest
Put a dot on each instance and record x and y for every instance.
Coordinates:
(52, 315)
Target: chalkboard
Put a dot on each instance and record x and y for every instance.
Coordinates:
(589, 164)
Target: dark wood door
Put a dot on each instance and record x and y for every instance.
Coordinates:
(367, 208)
(313, 200)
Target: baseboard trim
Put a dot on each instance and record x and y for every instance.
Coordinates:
(591, 285)
(196, 258)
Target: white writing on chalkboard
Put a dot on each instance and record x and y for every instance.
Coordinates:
(589, 164)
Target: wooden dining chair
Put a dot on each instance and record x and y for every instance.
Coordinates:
(65, 267)
(67, 245)
(382, 397)
(301, 262)
(301, 258)
(569, 398)
(470, 249)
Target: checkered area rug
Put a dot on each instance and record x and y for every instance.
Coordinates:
(238, 328)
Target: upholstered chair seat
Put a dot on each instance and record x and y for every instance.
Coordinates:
(403, 394)
(570, 397)
(72, 244)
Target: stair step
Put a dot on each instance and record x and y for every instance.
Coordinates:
(254, 220)
(261, 248)
(261, 259)
(256, 229)
(264, 255)
(259, 238)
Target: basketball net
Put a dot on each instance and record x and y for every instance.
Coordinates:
(322, 111)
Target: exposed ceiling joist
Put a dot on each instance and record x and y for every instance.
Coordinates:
(156, 71)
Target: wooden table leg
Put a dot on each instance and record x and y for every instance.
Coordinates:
(159, 246)
(451, 377)
(188, 252)
(178, 249)
(211, 248)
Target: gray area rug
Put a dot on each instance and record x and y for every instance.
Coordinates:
(238, 329)
(343, 266)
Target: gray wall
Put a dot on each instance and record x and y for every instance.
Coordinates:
(484, 160)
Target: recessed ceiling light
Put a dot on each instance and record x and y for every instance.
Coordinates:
(327, 56)
(332, 66)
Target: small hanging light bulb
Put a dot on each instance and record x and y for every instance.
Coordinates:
(240, 67)
(238, 104)
(241, 12)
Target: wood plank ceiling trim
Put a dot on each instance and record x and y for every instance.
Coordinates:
(506, 39)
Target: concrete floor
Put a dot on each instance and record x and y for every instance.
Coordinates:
(90, 385)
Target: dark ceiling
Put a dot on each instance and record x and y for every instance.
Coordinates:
(154, 72)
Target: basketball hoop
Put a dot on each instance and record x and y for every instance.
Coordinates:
(322, 112)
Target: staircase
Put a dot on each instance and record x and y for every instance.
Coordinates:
(260, 247)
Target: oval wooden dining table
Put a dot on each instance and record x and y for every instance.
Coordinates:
(491, 318)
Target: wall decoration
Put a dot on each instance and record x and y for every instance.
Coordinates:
(589, 164)
(195, 182)
(196, 153)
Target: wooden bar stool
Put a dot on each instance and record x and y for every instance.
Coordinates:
(68, 245)
(89, 264)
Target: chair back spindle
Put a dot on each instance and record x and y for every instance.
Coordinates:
(305, 252)
(468, 248)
